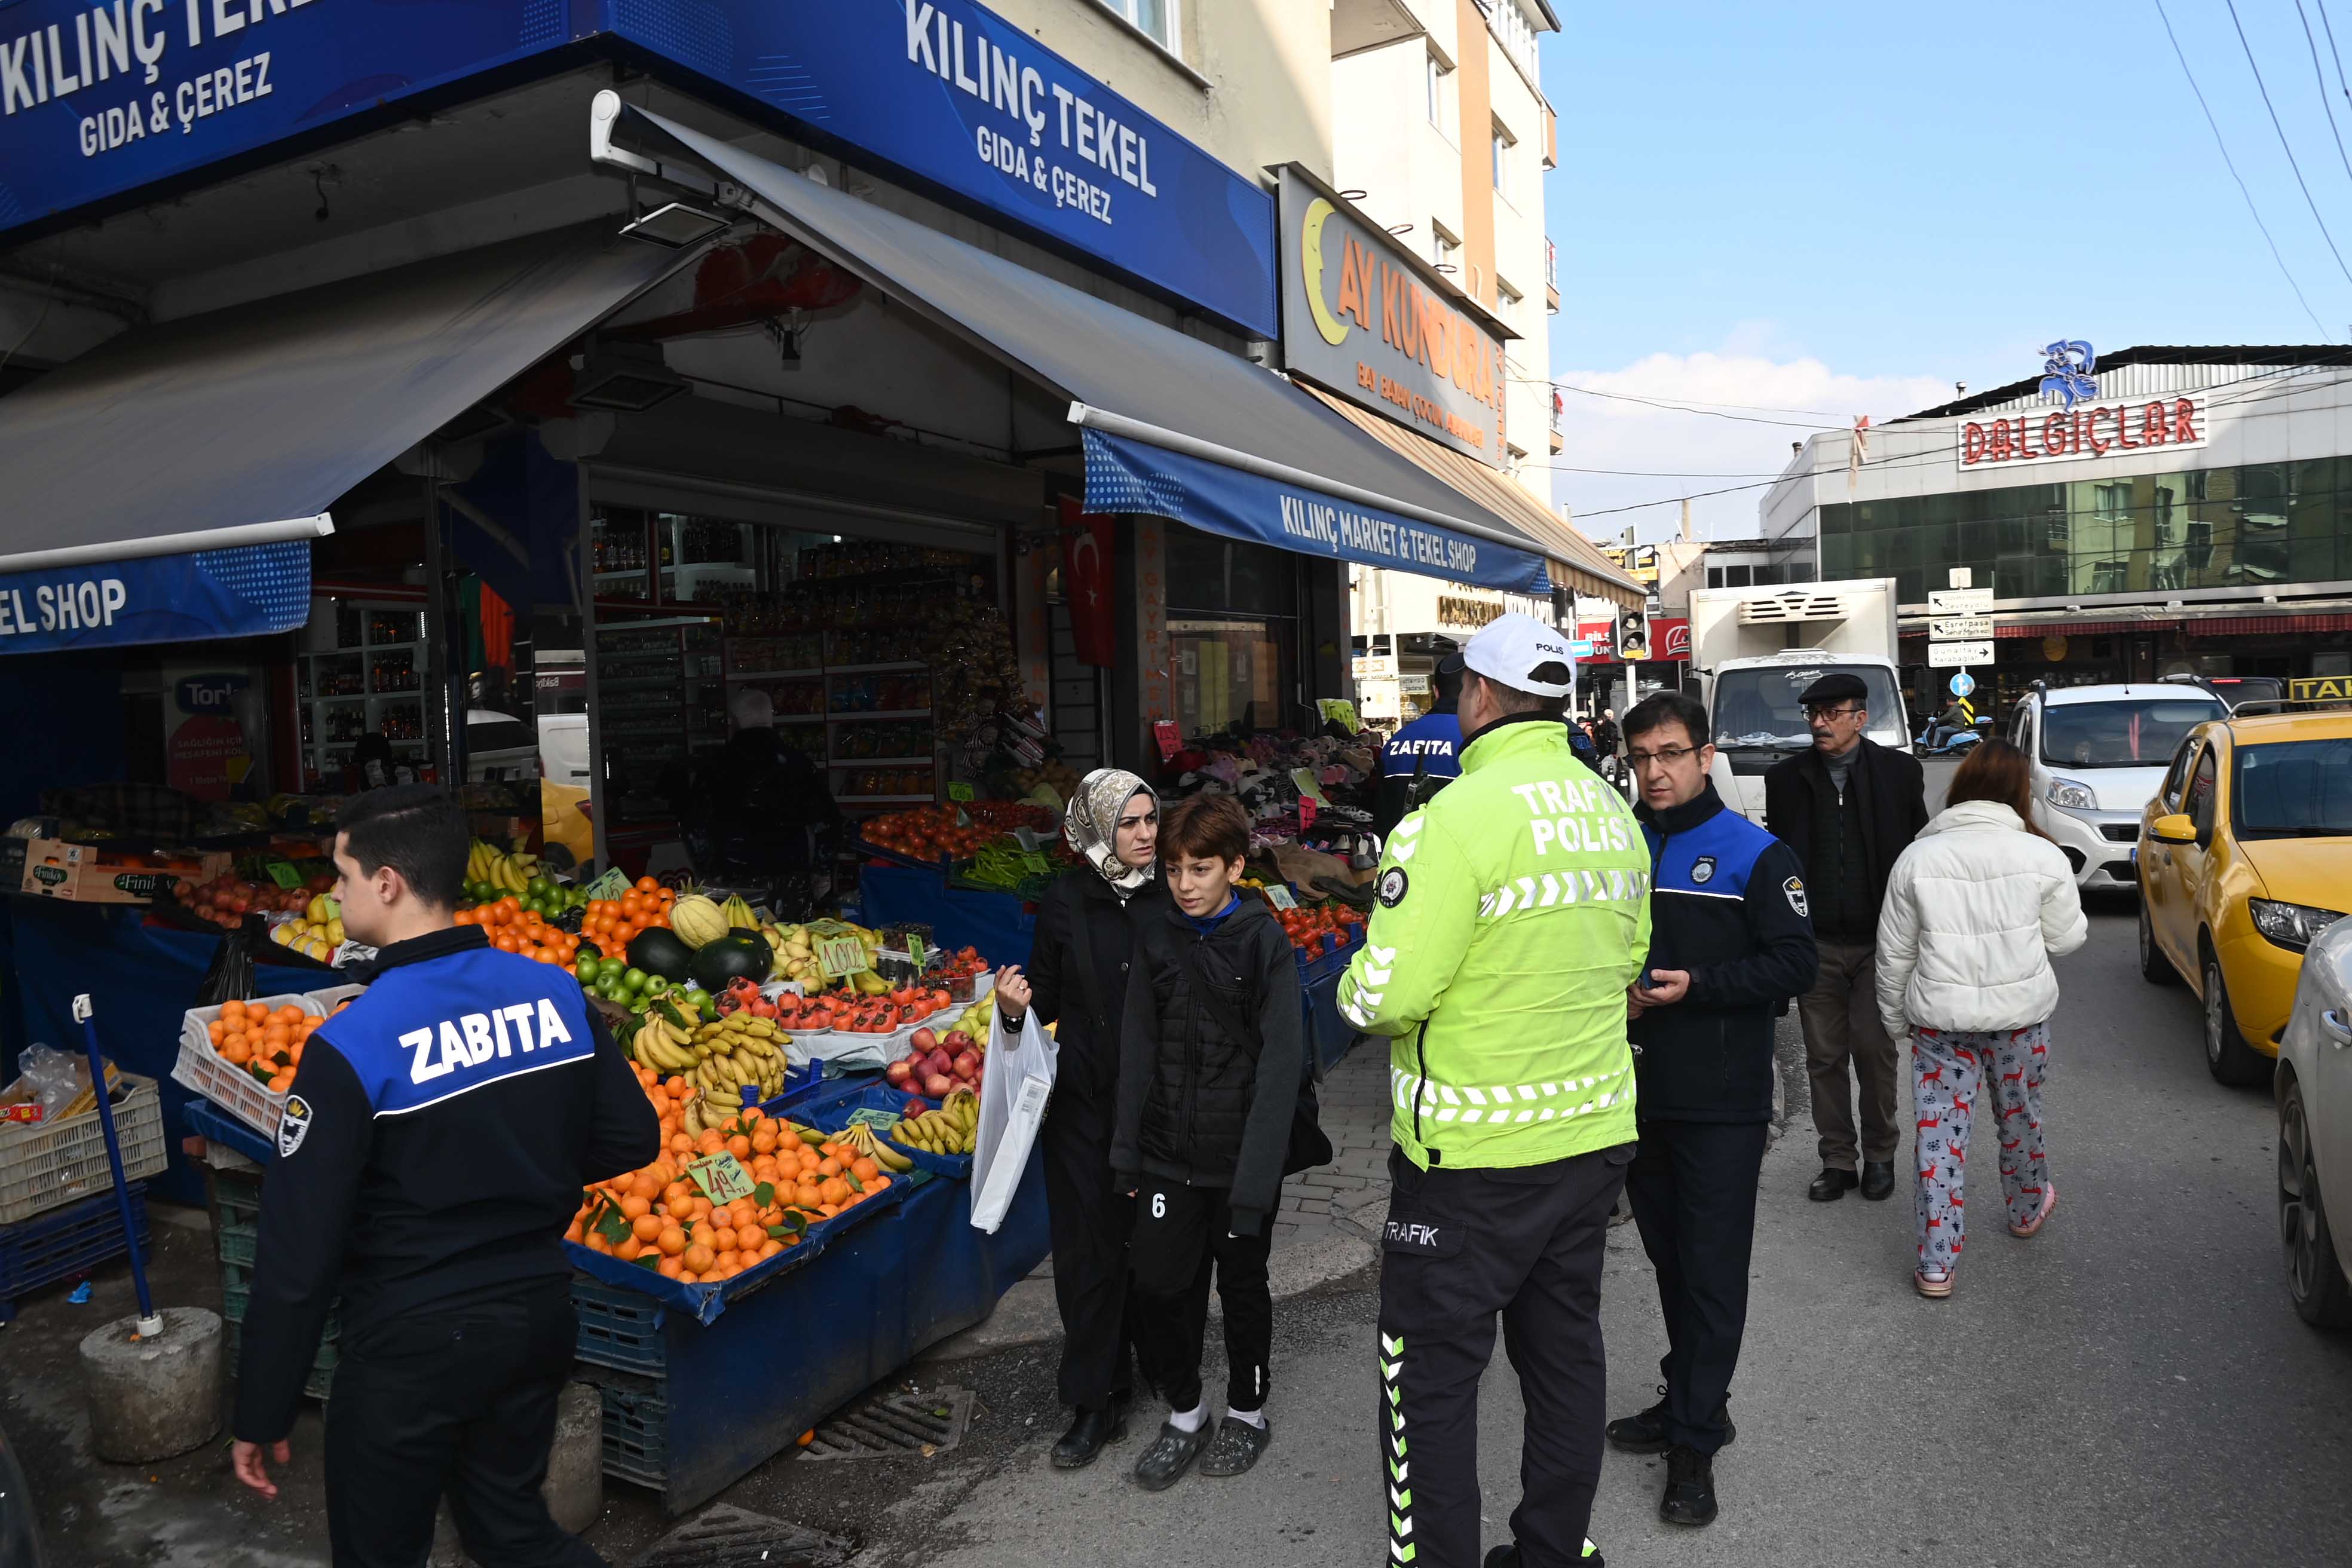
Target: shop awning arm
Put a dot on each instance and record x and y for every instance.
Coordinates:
(1090, 418)
(65, 555)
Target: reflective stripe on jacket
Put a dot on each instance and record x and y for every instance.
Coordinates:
(1514, 912)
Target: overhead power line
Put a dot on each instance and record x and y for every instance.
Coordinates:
(2319, 75)
(1680, 408)
(1691, 403)
(2284, 145)
(2232, 165)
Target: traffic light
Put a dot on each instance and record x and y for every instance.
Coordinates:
(1633, 634)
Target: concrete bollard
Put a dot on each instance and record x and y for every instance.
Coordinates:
(153, 1398)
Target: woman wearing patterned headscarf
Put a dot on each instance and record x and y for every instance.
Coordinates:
(1078, 981)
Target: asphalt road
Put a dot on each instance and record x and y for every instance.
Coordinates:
(2129, 1388)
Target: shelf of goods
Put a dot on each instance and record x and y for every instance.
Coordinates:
(877, 747)
(370, 682)
(659, 693)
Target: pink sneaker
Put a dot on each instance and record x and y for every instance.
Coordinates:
(1933, 1283)
(2049, 1204)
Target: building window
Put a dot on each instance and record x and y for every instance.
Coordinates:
(1715, 576)
(1155, 20)
(1444, 249)
(1507, 301)
(1502, 145)
(1438, 71)
(1736, 576)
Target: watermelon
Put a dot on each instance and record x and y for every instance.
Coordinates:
(722, 959)
(659, 951)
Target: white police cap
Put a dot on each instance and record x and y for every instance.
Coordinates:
(1511, 649)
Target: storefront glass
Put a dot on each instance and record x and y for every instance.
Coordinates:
(1232, 632)
(2257, 525)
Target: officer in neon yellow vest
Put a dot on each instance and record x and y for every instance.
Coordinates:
(1513, 912)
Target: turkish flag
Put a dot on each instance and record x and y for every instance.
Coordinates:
(1088, 539)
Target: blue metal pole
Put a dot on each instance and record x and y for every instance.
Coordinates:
(149, 1322)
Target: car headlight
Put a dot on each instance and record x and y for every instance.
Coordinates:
(2072, 795)
(2292, 926)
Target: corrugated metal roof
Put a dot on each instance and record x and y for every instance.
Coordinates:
(2152, 369)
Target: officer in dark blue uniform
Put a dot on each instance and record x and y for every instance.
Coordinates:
(433, 1149)
(1730, 943)
(1424, 756)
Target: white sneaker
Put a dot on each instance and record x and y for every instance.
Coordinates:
(1933, 1283)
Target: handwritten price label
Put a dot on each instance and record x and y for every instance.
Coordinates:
(282, 872)
(840, 955)
(722, 1178)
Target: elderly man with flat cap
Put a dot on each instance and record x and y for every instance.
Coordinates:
(1848, 807)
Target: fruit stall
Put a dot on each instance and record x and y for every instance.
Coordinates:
(787, 1208)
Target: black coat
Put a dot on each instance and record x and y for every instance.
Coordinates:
(1199, 1103)
(1088, 1019)
(1891, 793)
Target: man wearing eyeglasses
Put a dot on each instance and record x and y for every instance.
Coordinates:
(1729, 945)
(1848, 807)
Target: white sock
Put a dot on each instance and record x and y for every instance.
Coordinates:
(1253, 1417)
(1191, 1420)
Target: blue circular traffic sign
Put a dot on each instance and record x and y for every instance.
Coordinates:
(1962, 683)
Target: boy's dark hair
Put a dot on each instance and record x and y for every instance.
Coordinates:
(416, 829)
(1206, 827)
(1662, 707)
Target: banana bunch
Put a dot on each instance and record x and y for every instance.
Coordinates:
(862, 1139)
(718, 1058)
(510, 869)
(945, 1132)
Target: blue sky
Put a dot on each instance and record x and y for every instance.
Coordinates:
(1846, 208)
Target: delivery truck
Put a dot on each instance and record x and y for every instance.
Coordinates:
(1755, 650)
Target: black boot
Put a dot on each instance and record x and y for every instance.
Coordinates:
(1832, 1184)
(1508, 1556)
(1690, 1488)
(1877, 1178)
(1088, 1437)
(1645, 1432)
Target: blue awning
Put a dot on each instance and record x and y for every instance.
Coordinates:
(1127, 475)
(247, 590)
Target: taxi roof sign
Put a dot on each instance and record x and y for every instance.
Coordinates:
(2320, 689)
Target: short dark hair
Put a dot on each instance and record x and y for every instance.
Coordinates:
(1511, 700)
(1206, 827)
(416, 829)
(1662, 707)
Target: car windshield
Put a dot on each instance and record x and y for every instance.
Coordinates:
(1760, 708)
(2293, 789)
(2139, 733)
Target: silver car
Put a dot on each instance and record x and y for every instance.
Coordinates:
(2313, 1090)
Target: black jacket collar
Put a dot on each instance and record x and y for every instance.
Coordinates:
(422, 949)
(1684, 817)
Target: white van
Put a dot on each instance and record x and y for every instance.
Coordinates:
(2099, 753)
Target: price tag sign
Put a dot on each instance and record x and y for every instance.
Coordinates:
(867, 1116)
(1305, 814)
(611, 885)
(1279, 896)
(1167, 738)
(959, 792)
(720, 1177)
(282, 872)
(916, 953)
(840, 955)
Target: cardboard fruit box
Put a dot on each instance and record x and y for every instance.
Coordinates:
(111, 874)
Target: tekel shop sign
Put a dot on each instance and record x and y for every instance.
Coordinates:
(1363, 319)
(99, 101)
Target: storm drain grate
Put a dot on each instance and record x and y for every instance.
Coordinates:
(725, 1537)
(923, 1422)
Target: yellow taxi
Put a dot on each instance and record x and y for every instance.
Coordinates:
(2245, 857)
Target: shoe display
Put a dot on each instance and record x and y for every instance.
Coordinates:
(1877, 1179)
(1236, 1448)
(1832, 1184)
(1689, 1495)
(2033, 1227)
(1087, 1436)
(1171, 1455)
(1645, 1432)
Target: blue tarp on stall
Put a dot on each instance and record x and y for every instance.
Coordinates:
(999, 924)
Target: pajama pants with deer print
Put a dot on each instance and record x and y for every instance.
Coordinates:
(1948, 1066)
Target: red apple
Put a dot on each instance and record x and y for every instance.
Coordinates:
(957, 1040)
(913, 1108)
(923, 1040)
(938, 1086)
(967, 1064)
(939, 1061)
(899, 1073)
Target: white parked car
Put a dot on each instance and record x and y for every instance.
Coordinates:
(2099, 753)
(2313, 1090)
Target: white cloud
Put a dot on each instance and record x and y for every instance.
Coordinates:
(1608, 433)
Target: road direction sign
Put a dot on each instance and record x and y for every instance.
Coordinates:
(1962, 683)
(1951, 629)
(1579, 648)
(1957, 655)
(1960, 601)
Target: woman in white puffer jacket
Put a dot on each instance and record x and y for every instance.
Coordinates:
(1976, 908)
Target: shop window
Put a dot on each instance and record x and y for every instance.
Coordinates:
(1155, 20)
(1228, 671)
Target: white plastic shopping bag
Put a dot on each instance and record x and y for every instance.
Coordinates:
(1012, 1095)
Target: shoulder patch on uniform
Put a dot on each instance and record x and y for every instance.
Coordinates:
(1795, 889)
(1703, 869)
(293, 1126)
(1392, 887)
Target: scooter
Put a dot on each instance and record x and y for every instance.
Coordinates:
(1959, 743)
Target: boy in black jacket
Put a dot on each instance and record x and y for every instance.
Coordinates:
(1211, 1057)
(1730, 943)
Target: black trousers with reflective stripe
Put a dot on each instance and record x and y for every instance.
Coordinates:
(1463, 1248)
(1693, 1185)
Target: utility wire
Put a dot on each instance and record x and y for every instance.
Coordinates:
(1693, 403)
(1678, 409)
(2230, 163)
(2329, 27)
(2284, 145)
(2319, 75)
